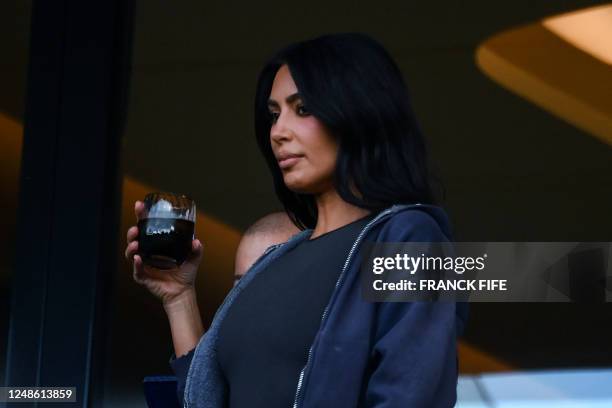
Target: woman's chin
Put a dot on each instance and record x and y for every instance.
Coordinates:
(298, 186)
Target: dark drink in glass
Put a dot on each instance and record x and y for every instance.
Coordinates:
(166, 230)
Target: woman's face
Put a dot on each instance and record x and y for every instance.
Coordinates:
(305, 151)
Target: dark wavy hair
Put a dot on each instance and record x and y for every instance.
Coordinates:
(352, 85)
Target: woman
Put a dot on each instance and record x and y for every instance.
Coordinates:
(334, 122)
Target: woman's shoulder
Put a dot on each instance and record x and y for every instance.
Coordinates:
(415, 223)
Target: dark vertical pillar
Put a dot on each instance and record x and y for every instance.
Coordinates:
(70, 194)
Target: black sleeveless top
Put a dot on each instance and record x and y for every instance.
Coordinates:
(265, 337)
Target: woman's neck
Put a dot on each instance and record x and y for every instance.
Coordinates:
(333, 212)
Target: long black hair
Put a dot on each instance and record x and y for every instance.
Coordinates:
(352, 85)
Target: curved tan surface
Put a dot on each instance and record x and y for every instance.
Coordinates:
(545, 69)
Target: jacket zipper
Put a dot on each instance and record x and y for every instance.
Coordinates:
(298, 391)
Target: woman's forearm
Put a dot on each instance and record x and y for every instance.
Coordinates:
(185, 322)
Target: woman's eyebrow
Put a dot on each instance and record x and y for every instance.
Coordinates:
(290, 99)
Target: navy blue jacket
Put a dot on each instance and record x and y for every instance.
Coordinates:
(365, 354)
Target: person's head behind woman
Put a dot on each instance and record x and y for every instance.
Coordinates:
(354, 89)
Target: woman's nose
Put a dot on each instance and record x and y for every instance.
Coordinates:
(280, 130)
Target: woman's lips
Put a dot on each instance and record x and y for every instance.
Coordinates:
(289, 161)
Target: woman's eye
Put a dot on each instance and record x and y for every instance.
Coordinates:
(274, 116)
(302, 111)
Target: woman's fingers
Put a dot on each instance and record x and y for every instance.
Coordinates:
(138, 275)
(131, 250)
(139, 210)
(132, 233)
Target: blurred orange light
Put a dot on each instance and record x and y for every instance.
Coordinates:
(589, 30)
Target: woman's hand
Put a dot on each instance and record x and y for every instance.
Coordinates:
(169, 285)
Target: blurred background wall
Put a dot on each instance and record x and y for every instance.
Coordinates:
(512, 171)
(14, 37)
